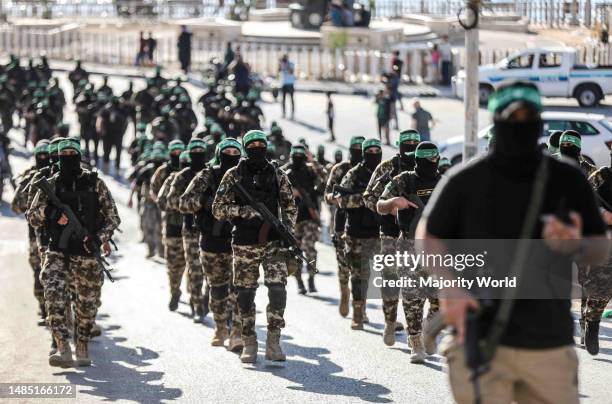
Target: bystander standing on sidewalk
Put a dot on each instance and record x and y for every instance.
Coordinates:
(435, 64)
(422, 121)
(152, 45)
(142, 50)
(446, 57)
(241, 72)
(383, 114)
(330, 117)
(184, 49)
(286, 69)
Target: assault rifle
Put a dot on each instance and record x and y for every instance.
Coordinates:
(271, 222)
(73, 227)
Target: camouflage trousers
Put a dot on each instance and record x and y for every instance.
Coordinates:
(150, 217)
(596, 284)
(357, 253)
(175, 262)
(195, 274)
(35, 263)
(307, 233)
(413, 300)
(344, 271)
(218, 271)
(61, 273)
(247, 259)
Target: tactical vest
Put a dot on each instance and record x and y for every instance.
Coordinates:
(263, 187)
(422, 188)
(388, 224)
(362, 222)
(215, 236)
(82, 198)
(304, 180)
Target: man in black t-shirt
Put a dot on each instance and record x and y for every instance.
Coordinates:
(488, 199)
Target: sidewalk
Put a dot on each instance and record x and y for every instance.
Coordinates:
(308, 86)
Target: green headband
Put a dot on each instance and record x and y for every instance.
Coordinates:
(229, 142)
(176, 145)
(426, 153)
(444, 162)
(41, 147)
(141, 127)
(370, 143)
(196, 144)
(254, 135)
(185, 156)
(408, 135)
(506, 96)
(356, 140)
(69, 143)
(297, 150)
(157, 154)
(567, 138)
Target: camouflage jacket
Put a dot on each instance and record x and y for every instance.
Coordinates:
(192, 200)
(179, 184)
(356, 200)
(158, 179)
(601, 181)
(376, 186)
(20, 200)
(225, 208)
(164, 191)
(336, 174)
(108, 210)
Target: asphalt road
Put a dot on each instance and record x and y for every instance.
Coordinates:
(148, 354)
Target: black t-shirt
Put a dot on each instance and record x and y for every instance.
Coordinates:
(479, 201)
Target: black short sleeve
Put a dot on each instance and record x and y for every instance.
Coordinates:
(592, 222)
(443, 211)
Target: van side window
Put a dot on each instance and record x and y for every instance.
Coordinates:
(521, 62)
(550, 60)
(584, 128)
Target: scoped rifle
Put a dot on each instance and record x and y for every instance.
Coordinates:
(73, 227)
(271, 222)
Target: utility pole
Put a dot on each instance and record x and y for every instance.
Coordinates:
(574, 11)
(471, 101)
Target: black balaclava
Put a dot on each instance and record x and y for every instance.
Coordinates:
(198, 160)
(338, 156)
(256, 157)
(356, 155)
(184, 164)
(571, 151)
(516, 143)
(372, 160)
(70, 167)
(42, 160)
(298, 160)
(424, 167)
(175, 160)
(228, 161)
(407, 158)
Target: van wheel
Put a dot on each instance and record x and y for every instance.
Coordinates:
(588, 95)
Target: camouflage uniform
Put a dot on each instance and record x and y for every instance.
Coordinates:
(597, 280)
(336, 174)
(360, 237)
(248, 257)
(307, 227)
(412, 302)
(20, 205)
(62, 269)
(389, 231)
(217, 265)
(157, 180)
(195, 274)
(173, 241)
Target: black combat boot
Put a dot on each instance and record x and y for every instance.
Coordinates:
(174, 300)
(301, 287)
(591, 337)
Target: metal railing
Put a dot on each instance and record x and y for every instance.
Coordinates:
(311, 62)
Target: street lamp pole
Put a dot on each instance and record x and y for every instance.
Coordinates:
(471, 99)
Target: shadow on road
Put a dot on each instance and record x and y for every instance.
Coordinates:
(5, 209)
(320, 377)
(309, 126)
(115, 374)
